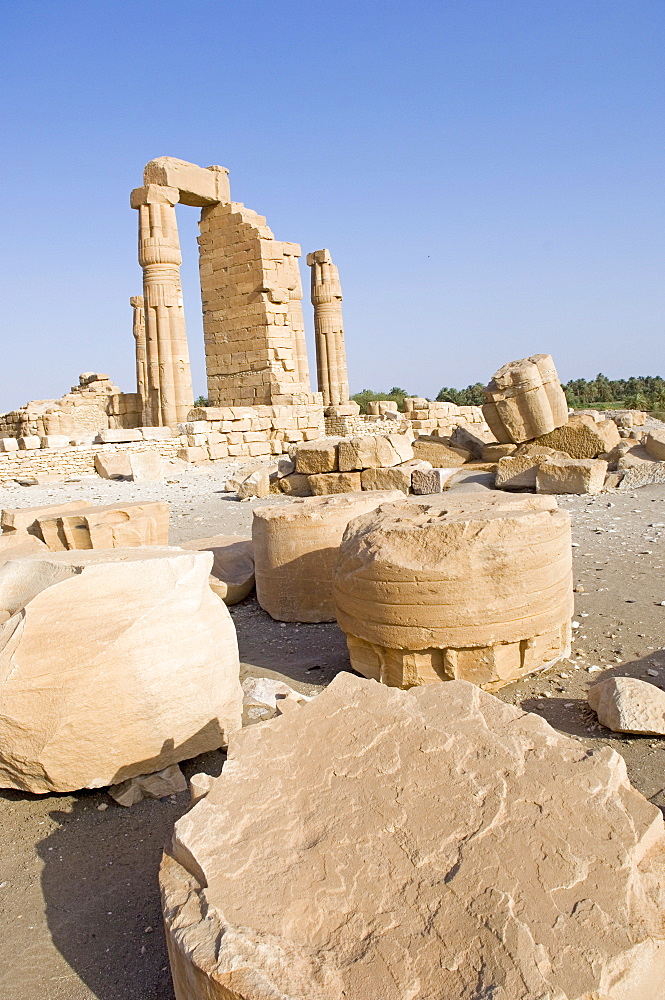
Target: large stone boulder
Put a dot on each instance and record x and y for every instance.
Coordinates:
(582, 437)
(525, 400)
(655, 444)
(432, 844)
(232, 574)
(465, 589)
(295, 550)
(112, 664)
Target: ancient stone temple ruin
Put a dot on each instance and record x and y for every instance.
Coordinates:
(251, 294)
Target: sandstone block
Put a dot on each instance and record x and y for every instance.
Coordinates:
(440, 452)
(396, 478)
(295, 550)
(156, 433)
(29, 443)
(295, 485)
(495, 452)
(582, 437)
(571, 476)
(54, 441)
(257, 484)
(113, 465)
(24, 519)
(428, 481)
(112, 664)
(8, 444)
(491, 602)
(112, 526)
(314, 457)
(232, 573)
(374, 452)
(645, 475)
(655, 444)
(521, 866)
(518, 472)
(628, 705)
(334, 482)
(472, 438)
(525, 400)
(119, 435)
(198, 454)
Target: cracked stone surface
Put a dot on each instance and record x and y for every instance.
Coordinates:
(385, 844)
(113, 663)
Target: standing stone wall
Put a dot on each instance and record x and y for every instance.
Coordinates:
(215, 433)
(252, 312)
(77, 460)
(92, 405)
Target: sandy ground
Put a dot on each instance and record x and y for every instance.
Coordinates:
(79, 903)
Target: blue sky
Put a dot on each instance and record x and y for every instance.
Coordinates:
(488, 175)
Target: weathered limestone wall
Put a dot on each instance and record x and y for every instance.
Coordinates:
(235, 431)
(75, 460)
(420, 415)
(252, 312)
(92, 405)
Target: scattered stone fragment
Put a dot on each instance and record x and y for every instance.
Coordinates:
(645, 475)
(465, 589)
(146, 466)
(585, 475)
(430, 481)
(232, 574)
(431, 843)
(628, 705)
(295, 550)
(169, 781)
(112, 664)
(268, 693)
(257, 484)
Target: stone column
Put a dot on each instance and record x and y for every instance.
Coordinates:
(136, 302)
(169, 395)
(332, 375)
(296, 322)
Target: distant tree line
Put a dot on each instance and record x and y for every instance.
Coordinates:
(644, 392)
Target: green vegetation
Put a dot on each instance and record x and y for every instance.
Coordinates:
(473, 395)
(644, 392)
(369, 396)
(201, 401)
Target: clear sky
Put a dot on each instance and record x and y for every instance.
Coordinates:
(488, 175)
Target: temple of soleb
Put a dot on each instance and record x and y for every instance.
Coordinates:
(251, 294)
